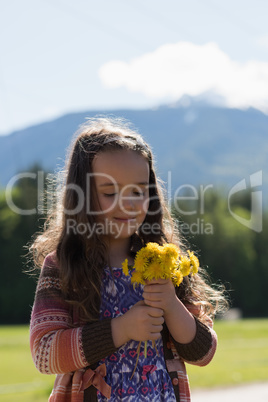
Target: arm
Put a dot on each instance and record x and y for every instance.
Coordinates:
(56, 346)
(195, 341)
(202, 348)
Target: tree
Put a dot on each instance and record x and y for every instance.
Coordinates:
(16, 230)
(232, 253)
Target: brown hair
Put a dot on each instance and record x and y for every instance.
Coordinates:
(81, 259)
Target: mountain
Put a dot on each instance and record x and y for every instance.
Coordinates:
(198, 143)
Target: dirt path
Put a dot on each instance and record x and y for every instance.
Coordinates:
(244, 393)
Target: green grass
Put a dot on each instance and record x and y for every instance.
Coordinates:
(242, 356)
(19, 379)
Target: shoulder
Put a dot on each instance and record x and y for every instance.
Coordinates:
(51, 261)
(50, 267)
(50, 274)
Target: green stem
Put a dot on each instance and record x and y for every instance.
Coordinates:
(138, 355)
(145, 349)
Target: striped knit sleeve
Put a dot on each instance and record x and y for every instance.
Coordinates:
(56, 346)
(202, 348)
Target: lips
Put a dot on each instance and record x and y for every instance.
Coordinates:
(124, 219)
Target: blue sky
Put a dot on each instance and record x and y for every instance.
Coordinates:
(59, 56)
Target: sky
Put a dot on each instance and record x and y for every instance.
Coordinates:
(61, 56)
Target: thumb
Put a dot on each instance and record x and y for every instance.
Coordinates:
(140, 303)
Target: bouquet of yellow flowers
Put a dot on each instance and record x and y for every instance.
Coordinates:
(165, 262)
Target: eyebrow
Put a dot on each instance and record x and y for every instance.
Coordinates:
(143, 183)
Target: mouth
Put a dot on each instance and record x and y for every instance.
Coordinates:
(124, 219)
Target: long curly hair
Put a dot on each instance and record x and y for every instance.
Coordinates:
(81, 259)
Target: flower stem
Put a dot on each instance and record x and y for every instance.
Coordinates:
(138, 355)
(145, 349)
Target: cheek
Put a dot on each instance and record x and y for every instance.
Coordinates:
(146, 204)
(107, 204)
(143, 206)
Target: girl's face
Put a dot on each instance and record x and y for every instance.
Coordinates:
(122, 184)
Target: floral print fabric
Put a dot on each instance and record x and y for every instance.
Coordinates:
(150, 381)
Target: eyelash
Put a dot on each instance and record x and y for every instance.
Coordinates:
(136, 193)
(139, 194)
(109, 195)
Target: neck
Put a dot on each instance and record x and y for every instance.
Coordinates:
(118, 250)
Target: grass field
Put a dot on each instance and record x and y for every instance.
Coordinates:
(242, 356)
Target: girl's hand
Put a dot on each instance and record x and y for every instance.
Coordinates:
(160, 293)
(143, 322)
(140, 323)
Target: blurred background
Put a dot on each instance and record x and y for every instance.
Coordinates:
(192, 77)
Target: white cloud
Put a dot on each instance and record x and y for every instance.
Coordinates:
(173, 70)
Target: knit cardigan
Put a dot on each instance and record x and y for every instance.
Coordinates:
(60, 344)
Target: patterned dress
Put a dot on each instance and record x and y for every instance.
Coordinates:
(150, 381)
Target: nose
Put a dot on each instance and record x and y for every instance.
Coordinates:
(127, 202)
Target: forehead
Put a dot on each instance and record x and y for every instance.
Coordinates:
(123, 167)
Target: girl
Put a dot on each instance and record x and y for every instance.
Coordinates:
(88, 319)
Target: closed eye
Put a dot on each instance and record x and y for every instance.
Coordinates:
(139, 193)
(110, 195)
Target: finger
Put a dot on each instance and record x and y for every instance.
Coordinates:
(140, 303)
(158, 321)
(156, 328)
(155, 288)
(155, 304)
(155, 281)
(155, 336)
(152, 296)
(155, 312)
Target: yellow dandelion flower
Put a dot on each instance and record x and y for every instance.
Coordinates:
(194, 262)
(153, 271)
(185, 265)
(177, 277)
(168, 269)
(141, 260)
(169, 256)
(153, 248)
(155, 261)
(125, 267)
(153, 251)
(137, 277)
(171, 250)
(167, 261)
